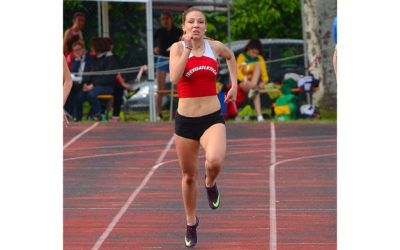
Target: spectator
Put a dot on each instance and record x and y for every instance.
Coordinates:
(81, 57)
(252, 73)
(119, 87)
(94, 85)
(164, 37)
(109, 44)
(69, 56)
(78, 21)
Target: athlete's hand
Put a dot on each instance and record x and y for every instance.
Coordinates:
(231, 95)
(187, 38)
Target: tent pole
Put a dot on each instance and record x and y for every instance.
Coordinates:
(304, 38)
(150, 59)
(229, 23)
(99, 18)
(106, 32)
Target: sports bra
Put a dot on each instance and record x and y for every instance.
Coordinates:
(200, 75)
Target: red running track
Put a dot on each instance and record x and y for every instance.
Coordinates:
(114, 162)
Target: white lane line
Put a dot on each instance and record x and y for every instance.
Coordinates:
(111, 154)
(324, 139)
(273, 143)
(272, 200)
(154, 151)
(304, 157)
(131, 198)
(134, 152)
(118, 146)
(79, 135)
(198, 209)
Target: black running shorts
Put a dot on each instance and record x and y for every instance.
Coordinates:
(194, 127)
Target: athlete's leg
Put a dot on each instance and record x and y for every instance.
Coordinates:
(188, 151)
(214, 143)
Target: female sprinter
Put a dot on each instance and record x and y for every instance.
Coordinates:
(199, 120)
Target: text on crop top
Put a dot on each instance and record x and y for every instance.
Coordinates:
(200, 75)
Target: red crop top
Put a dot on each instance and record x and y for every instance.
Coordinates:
(200, 75)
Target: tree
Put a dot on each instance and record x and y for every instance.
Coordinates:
(266, 19)
(318, 19)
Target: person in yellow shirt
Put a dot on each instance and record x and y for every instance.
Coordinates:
(252, 73)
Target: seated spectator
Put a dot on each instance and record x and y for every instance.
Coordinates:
(252, 73)
(81, 56)
(120, 85)
(94, 85)
(69, 56)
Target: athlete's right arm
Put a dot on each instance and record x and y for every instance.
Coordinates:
(177, 61)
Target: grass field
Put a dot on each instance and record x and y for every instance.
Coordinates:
(143, 116)
(327, 115)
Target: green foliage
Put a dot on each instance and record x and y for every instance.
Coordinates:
(266, 19)
(126, 19)
(217, 26)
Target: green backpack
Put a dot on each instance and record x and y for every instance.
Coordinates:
(286, 107)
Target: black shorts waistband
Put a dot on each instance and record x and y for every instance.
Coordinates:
(188, 118)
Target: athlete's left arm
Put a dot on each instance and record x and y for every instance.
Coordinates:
(67, 79)
(66, 86)
(222, 51)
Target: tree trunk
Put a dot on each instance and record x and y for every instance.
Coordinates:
(318, 19)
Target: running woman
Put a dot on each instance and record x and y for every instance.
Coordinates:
(199, 120)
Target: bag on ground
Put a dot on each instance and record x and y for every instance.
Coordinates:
(285, 107)
(308, 111)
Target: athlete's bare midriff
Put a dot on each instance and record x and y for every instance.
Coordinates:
(198, 106)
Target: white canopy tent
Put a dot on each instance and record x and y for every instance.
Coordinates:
(149, 31)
